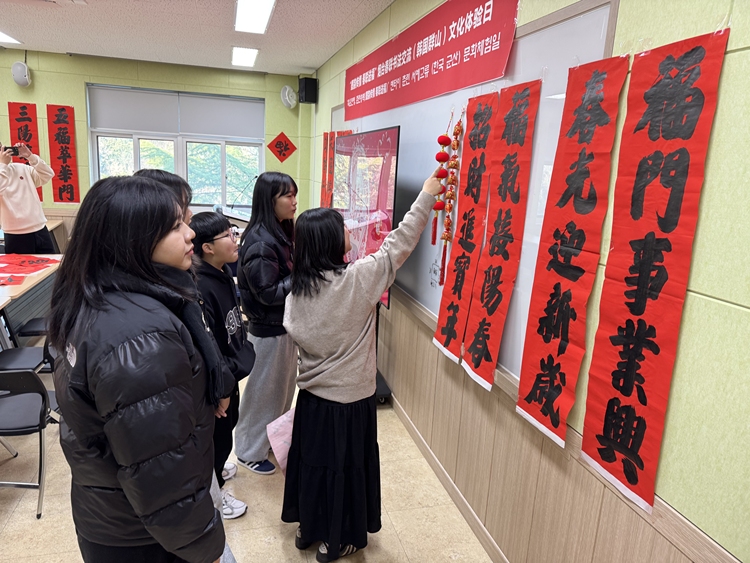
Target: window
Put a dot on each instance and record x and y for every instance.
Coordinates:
(214, 142)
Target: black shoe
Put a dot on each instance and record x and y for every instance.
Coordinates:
(298, 543)
(322, 555)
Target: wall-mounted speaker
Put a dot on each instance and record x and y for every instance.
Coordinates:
(21, 74)
(308, 90)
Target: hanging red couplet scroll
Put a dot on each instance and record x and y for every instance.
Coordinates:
(61, 122)
(671, 106)
(569, 246)
(326, 191)
(498, 264)
(478, 168)
(24, 129)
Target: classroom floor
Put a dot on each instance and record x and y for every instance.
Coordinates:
(421, 523)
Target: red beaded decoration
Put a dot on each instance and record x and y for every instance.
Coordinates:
(442, 157)
(450, 195)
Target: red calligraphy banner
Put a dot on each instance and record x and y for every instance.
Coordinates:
(24, 129)
(671, 106)
(326, 191)
(569, 246)
(330, 165)
(61, 123)
(478, 167)
(458, 44)
(498, 264)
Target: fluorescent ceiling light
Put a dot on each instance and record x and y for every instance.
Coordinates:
(7, 38)
(243, 57)
(253, 15)
(556, 97)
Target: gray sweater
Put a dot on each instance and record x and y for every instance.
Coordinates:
(335, 329)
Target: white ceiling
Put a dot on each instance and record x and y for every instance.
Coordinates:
(301, 36)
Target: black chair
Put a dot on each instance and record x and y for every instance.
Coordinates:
(24, 409)
(17, 359)
(33, 327)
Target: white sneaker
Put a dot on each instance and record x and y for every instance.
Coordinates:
(231, 507)
(229, 471)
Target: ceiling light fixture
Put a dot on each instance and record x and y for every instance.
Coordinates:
(7, 39)
(253, 15)
(243, 57)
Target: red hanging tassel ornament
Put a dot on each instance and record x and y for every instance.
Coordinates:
(442, 157)
(450, 194)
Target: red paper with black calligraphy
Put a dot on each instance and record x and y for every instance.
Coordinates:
(326, 191)
(24, 129)
(331, 162)
(569, 245)
(459, 44)
(498, 265)
(671, 106)
(478, 166)
(61, 123)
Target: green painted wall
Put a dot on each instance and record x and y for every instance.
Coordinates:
(61, 79)
(704, 471)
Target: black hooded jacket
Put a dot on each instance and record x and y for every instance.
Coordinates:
(222, 310)
(264, 276)
(137, 425)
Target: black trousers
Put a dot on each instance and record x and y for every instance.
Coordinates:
(223, 433)
(97, 553)
(39, 242)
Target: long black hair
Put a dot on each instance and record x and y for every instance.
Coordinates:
(178, 185)
(207, 226)
(119, 224)
(320, 246)
(268, 188)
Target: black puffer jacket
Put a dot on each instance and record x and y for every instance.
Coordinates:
(137, 427)
(264, 277)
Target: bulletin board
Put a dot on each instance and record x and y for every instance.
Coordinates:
(547, 54)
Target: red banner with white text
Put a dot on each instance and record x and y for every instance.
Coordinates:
(478, 168)
(671, 106)
(61, 123)
(498, 264)
(24, 129)
(569, 246)
(459, 44)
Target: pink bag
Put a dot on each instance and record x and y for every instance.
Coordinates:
(280, 435)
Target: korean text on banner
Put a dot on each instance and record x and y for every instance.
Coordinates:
(61, 123)
(24, 129)
(569, 246)
(458, 44)
(476, 173)
(671, 106)
(498, 265)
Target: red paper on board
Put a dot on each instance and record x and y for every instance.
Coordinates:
(11, 280)
(459, 44)
(498, 264)
(281, 147)
(647, 270)
(569, 245)
(24, 129)
(326, 191)
(27, 260)
(478, 168)
(61, 123)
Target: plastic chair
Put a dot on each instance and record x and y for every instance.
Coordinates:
(24, 409)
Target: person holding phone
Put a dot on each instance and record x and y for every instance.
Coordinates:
(21, 214)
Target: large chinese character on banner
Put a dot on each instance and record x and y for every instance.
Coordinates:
(24, 129)
(569, 246)
(61, 123)
(671, 106)
(498, 264)
(478, 164)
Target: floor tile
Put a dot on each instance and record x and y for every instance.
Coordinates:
(393, 439)
(270, 544)
(410, 483)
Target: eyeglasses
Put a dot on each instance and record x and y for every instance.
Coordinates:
(232, 234)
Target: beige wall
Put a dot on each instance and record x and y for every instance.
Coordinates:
(705, 462)
(61, 79)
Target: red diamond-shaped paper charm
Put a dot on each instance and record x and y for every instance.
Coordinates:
(282, 147)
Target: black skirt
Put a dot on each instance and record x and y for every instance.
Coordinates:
(332, 483)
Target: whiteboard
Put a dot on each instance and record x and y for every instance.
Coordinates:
(545, 54)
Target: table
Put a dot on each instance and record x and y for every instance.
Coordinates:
(53, 224)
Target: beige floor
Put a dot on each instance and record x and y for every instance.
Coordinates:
(421, 524)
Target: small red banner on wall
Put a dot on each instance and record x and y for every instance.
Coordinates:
(24, 129)
(569, 246)
(475, 173)
(281, 147)
(498, 265)
(459, 44)
(671, 106)
(61, 123)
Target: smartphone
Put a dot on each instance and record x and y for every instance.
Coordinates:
(13, 150)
